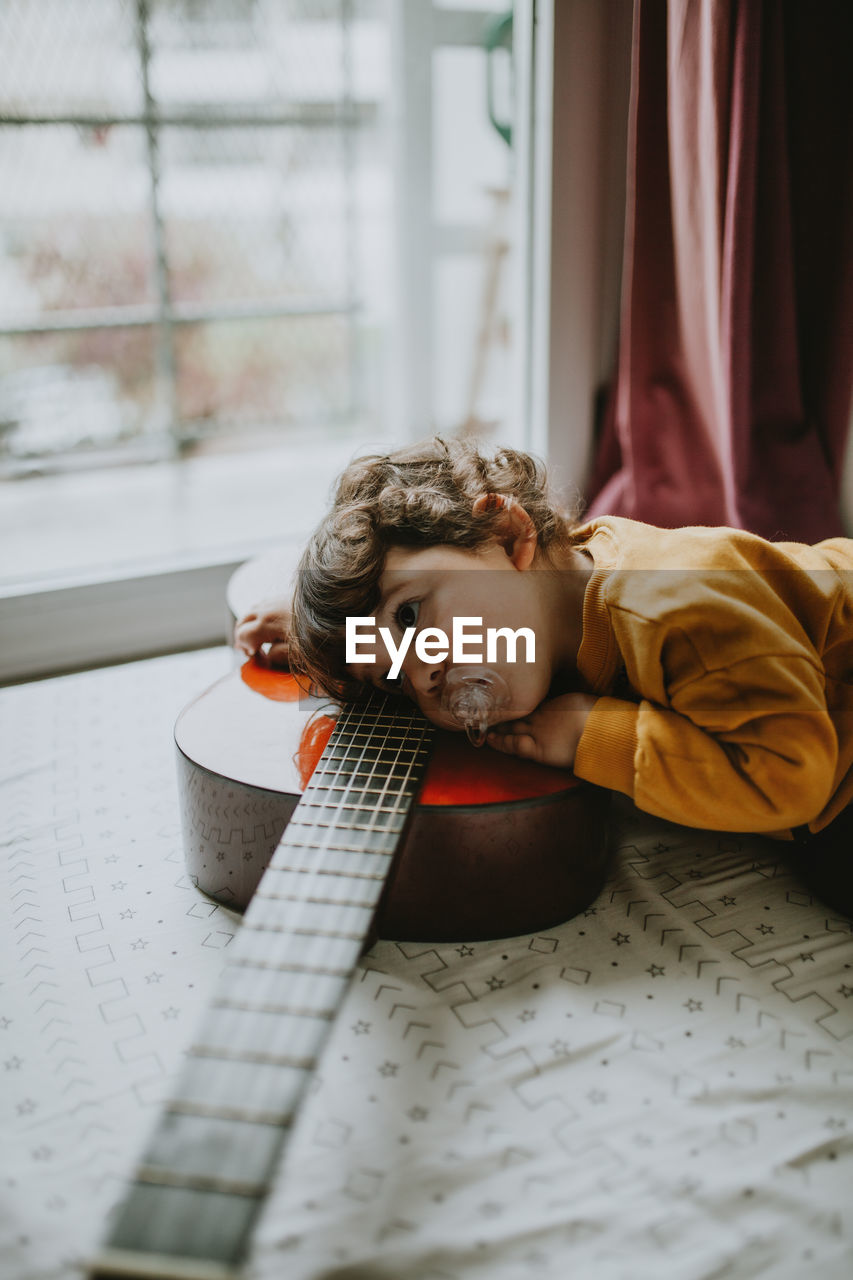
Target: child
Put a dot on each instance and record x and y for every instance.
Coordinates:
(705, 673)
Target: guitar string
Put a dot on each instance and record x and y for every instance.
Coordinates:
(352, 728)
(322, 786)
(298, 859)
(355, 766)
(303, 857)
(361, 774)
(359, 781)
(309, 857)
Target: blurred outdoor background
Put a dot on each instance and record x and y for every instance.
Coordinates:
(239, 240)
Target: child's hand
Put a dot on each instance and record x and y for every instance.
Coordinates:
(550, 734)
(267, 624)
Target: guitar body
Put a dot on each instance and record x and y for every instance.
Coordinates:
(327, 830)
(494, 846)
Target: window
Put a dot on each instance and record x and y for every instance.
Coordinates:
(240, 240)
(181, 217)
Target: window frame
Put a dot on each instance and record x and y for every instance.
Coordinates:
(576, 65)
(164, 315)
(565, 295)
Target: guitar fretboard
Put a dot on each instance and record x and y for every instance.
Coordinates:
(194, 1198)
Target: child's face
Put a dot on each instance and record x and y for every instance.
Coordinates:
(429, 587)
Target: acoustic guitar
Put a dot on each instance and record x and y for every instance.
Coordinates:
(327, 828)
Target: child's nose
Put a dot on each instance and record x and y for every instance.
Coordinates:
(424, 677)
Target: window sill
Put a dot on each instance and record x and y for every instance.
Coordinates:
(168, 537)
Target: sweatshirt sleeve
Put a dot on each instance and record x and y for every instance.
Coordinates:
(747, 747)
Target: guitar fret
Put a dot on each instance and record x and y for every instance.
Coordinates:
(338, 858)
(391, 722)
(190, 1211)
(338, 847)
(365, 820)
(396, 730)
(318, 824)
(351, 839)
(392, 763)
(332, 919)
(327, 871)
(269, 1006)
(378, 841)
(304, 933)
(397, 774)
(245, 962)
(314, 901)
(395, 739)
(221, 1054)
(210, 1153)
(358, 814)
(247, 986)
(404, 753)
(368, 769)
(343, 807)
(380, 824)
(230, 1030)
(393, 760)
(215, 1084)
(343, 795)
(200, 1182)
(211, 1111)
(375, 768)
(127, 1264)
(396, 754)
(387, 782)
(199, 1227)
(308, 949)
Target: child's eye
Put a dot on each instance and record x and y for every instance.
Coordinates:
(390, 685)
(407, 614)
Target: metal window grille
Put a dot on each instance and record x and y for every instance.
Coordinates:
(179, 238)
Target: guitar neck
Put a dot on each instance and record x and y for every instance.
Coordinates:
(193, 1200)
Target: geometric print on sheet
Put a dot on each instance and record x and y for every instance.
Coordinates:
(660, 1087)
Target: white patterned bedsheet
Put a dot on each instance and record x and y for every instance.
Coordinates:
(662, 1087)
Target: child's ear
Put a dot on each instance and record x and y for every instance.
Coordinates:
(515, 530)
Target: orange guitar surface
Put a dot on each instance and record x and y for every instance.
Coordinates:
(278, 686)
(457, 772)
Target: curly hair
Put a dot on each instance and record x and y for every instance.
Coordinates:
(418, 496)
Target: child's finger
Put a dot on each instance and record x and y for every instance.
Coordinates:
(252, 632)
(278, 654)
(524, 725)
(513, 744)
(246, 640)
(243, 642)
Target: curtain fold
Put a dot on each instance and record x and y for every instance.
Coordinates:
(731, 401)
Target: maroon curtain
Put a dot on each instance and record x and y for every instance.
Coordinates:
(732, 397)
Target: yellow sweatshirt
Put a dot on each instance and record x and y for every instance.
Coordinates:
(724, 669)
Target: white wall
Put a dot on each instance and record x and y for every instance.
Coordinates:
(583, 78)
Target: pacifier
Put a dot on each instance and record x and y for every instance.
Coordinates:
(474, 696)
